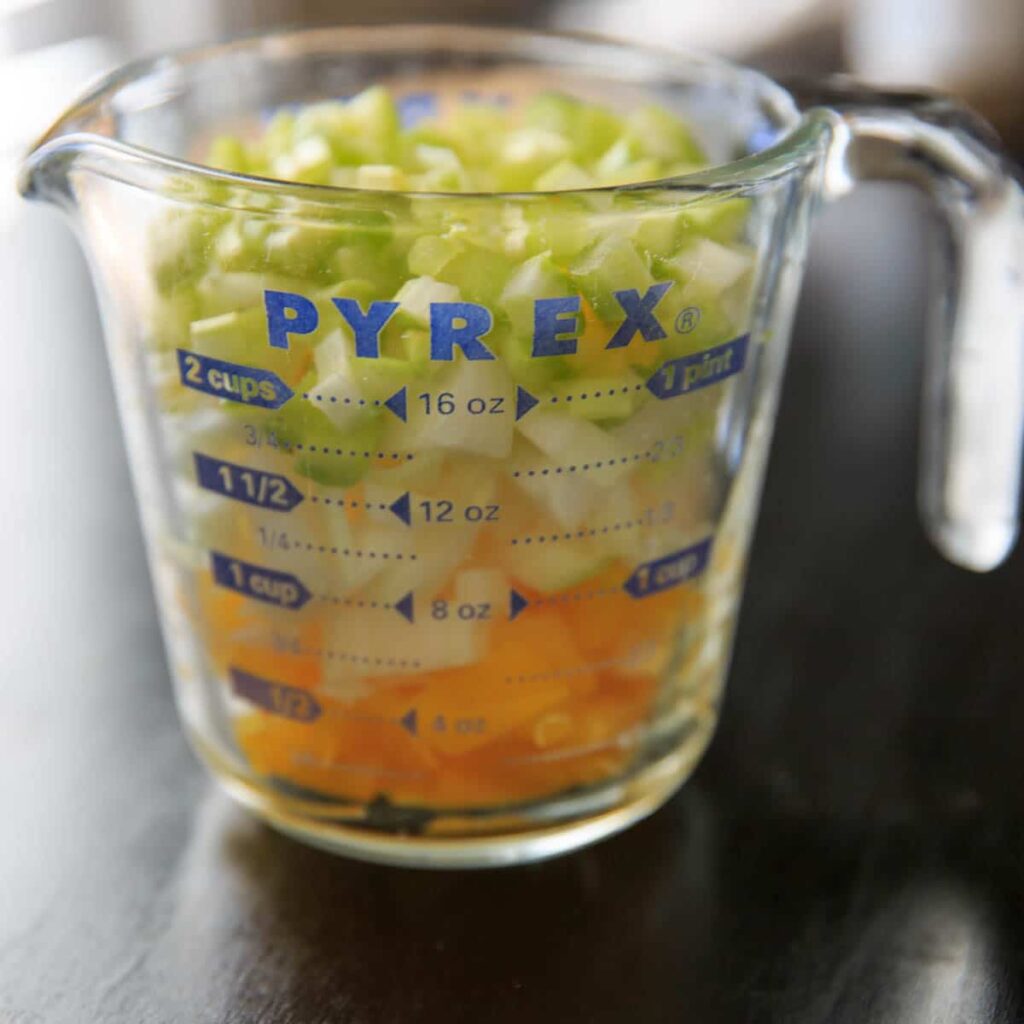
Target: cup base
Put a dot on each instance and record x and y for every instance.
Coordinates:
(502, 838)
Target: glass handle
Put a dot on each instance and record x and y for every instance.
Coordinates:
(972, 427)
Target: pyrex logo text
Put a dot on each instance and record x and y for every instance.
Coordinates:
(464, 325)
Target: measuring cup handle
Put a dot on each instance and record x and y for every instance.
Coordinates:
(972, 429)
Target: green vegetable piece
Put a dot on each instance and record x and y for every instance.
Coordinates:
(661, 135)
(590, 129)
(612, 264)
(563, 176)
(478, 274)
(227, 153)
(299, 423)
(526, 154)
(181, 246)
(722, 220)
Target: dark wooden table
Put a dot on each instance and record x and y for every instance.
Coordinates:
(850, 851)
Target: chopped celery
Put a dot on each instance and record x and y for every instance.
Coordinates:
(328, 455)
(715, 266)
(536, 278)
(479, 418)
(590, 129)
(181, 246)
(722, 220)
(381, 176)
(309, 161)
(218, 293)
(572, 442)
(558, 566)
(429, 254)
(478, 274)
(526, 154)
(227, 153)
(416, 295)
(660, 135)
(611, 264)
(564, 175)
(241, 337)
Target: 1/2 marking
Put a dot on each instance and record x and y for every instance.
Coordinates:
(277, 698)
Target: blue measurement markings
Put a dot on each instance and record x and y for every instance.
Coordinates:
(674, 378)
(268, 585)
(669, 571)
(277, 698)
(240, 483)
(648, 578)
(690, 373)
(288, 591)
(245, 384)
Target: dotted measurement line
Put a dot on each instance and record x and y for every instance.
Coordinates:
(574, 670)
(325, 549)
(350, 503)
(335, 400)
(584, 467)
(359, 659)
(351, 602)
(552, 538)
(579, 596)
(317, 449)
(584, 395)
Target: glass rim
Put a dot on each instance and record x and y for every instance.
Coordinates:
(797, 129)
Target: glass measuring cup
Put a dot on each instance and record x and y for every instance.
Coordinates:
(448, 560)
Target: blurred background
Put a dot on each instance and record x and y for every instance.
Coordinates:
(970, 47)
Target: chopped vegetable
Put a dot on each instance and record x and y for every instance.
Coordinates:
(447, 472)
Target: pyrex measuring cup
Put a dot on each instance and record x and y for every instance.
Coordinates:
(447, 497)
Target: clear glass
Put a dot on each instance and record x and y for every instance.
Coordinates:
(462, 590)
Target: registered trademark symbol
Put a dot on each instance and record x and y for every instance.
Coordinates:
(687, 319)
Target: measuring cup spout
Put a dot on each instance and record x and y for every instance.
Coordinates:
(45, 173)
